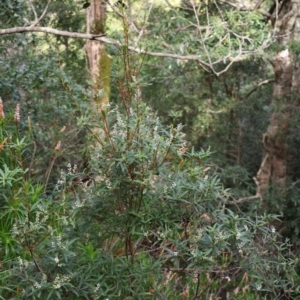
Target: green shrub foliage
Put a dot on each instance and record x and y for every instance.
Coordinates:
(149, 222)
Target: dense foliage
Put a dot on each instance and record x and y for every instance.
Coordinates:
(151, 221)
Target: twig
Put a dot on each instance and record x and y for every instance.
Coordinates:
(32, 158)
(34, 11)
(240, 200)
(49, 169)
(267, 81)
(118, 13)
(42, 15)
(141, 33)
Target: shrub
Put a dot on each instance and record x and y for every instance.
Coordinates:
(150, 222)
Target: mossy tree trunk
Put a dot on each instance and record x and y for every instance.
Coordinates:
(99, 62)
(286, 66)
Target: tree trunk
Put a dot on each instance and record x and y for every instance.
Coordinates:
(287, 82)
(99, 62)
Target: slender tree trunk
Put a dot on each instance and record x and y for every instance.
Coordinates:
(286, 86)
(99, 62)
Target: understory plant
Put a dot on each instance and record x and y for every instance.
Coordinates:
(149, 221)
(159, 212)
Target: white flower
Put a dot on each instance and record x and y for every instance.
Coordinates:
(273, 229)
(182, 149)
(108, 183)
(20, 261)
(44, 278)
(44, 219)
(97, 288)
(241, 245)
(79, 204)
(258, 287)
(175, 253)
(165, 189)
(37, 217)
(15, 230)
(37, 285)
(71, 170)
(56, 285)
(56, 259)
(59, 279)
(69, 166)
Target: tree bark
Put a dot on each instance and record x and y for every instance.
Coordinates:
(99, 62)
(286, 84)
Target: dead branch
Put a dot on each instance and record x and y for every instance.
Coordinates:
(37, 20)
(102, 38)
(257, 87)
(244, 199)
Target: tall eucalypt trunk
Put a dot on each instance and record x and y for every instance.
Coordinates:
(286, 89)
(99, 62)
